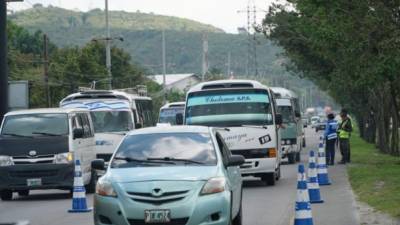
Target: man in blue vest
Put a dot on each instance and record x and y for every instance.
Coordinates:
(330, 138)
(344, 131)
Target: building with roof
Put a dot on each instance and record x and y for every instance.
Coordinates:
(177, 82)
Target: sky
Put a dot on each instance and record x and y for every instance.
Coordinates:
(220, 13)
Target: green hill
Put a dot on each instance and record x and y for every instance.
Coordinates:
(142, 39)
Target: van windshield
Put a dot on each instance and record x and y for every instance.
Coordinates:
(36, 124)
(112, 121)
(168, 115)
(229, 108)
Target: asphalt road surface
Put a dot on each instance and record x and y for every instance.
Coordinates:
(261, 204)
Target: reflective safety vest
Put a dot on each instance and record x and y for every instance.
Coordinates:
(343, 134)
(331, 129)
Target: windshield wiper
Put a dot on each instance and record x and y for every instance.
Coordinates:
(254, 126)
(46, 134)
(129, 159)
(168, 159)
(16, 135)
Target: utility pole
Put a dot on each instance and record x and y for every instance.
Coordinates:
(229, 65)
(108, 48)
(164, 66)
(205, 57)
(255, 40)
(3, 60)
(46, 69)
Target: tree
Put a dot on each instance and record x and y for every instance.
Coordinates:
(349, 48)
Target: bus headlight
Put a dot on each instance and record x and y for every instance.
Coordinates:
(64, 158)
(6, 160)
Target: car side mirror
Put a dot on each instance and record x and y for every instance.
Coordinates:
(236, 160)
(179, 119)
(278, 119)
(78, 133)
(297, 114)
(138, 126)
(98, 164)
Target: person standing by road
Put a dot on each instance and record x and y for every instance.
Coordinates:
(344, 131)
(330, 138)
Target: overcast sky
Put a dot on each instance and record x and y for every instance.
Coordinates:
(220, 13)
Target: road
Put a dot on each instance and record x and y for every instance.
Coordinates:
(262, 205)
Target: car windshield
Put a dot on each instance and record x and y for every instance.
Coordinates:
(165, 149)
(287, 114)
(112, 121)
(36, 124)
(229, 108)
(168, 115)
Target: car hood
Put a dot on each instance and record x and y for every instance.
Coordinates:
(170, 173)
(20, 146)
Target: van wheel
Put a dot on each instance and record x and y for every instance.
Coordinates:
(23, 193)
(291, 158)
(298, 157)
(6, 195)
(91, 187)
(269, 178)
(278, 173)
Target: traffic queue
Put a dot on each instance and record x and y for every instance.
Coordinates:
(186, 170)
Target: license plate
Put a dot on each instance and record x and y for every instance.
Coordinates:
(34, 182)
(157, 216)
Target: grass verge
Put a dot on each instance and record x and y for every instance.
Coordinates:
(375, 177)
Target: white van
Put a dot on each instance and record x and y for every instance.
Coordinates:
(38, 149)
(245, 111)
(169, 111)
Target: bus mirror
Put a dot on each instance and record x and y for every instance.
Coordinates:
(297, 114)
(138, 126)
(78, 133)
(179, 119)
(278, 119)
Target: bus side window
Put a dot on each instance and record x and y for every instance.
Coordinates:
(135, 118)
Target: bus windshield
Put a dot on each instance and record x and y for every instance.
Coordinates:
(229, 108)
(112, 121)
(287, 114)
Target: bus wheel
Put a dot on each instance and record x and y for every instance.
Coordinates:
(269, 178)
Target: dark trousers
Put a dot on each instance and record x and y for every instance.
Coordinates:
(345, 149)
(330, 151)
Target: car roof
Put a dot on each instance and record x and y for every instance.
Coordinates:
(45, 110)
(171, 129)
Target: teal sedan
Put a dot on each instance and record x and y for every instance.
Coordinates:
(181, 175)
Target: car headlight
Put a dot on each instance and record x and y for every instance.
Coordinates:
(283, 142)
(64, 158)
(288, 142)
(6, 160)
(105, 188)
(214, 185)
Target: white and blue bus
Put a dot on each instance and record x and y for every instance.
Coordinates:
(245, 111)
(114, 113)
